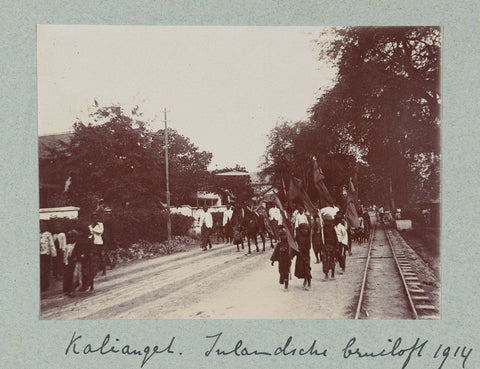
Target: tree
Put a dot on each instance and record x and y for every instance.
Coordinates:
(381, 118)
(115, 156)
(385, 105)
(291, 148)
(187, 166)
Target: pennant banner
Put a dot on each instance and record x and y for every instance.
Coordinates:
(351, 212)
(318, 178)
(286, 222)
(297, 193)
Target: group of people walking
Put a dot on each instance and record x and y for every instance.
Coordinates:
(76, 256)
(327, 233)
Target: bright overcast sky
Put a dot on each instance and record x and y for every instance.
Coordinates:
(225, 87)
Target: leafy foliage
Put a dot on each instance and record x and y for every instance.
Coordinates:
(382, 117)
(115, 156)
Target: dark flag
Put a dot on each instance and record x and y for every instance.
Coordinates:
(355, 183)
(286, 223)
(318, 178)
(351, 213)
(297, 193)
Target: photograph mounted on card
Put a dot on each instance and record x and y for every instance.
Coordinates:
(239, 172)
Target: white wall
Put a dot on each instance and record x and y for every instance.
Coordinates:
(195, 213)
(70, 212)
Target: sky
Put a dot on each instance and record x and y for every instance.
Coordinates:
(224, 87)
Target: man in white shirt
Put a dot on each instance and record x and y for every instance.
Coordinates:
(275, 220)
(342, 237)
(227, 223)
(96, 230)
(227, 215)
(206, 225)
(300, 218)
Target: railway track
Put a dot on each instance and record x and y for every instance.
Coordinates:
(390, 287)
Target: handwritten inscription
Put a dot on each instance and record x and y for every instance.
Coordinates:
(352, 350)
(77, 347)
(239, 349)
(216, 345)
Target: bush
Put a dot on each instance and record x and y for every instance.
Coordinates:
(145, 249)
(130, 227)
(148, 225)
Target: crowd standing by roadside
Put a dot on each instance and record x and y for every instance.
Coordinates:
(75, 257)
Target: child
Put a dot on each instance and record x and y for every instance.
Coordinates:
(238, 236)
(282, 255)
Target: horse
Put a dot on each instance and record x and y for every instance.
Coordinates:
(237, 225)
(252, 224)
(218, 231)
(265, 225)
(360, 235)
(256, 224)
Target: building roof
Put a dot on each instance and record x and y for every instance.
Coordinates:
(52, 142)
(255, 177)
(233, 173)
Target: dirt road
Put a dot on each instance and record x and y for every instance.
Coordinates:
(219, 283)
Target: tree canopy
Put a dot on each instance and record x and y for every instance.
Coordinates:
(116, 156)
(383, 113)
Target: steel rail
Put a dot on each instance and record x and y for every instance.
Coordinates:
(407, 291)
(364, 280)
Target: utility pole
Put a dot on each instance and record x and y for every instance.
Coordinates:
(169, 222)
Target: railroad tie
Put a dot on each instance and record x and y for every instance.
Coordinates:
(428, 317)
(416, 297)
(413, 284)
(416, 290)
(425, 307)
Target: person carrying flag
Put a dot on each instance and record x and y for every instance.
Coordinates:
(282, 255)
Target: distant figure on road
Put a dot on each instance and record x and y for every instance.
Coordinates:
(282, 255)
(238, 234)
(275, 220)
(317, 239)
(206, 225)
(88, 259)
(330, 247)
(342, 236)
(300, 218)
(302, 264)
(70, 257)
(96, 230)
(47, 255)
(227, 224)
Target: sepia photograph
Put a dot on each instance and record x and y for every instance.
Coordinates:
(239, 172)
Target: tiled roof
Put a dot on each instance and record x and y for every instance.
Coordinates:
(51, 141)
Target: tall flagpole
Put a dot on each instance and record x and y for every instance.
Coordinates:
(169, 222)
